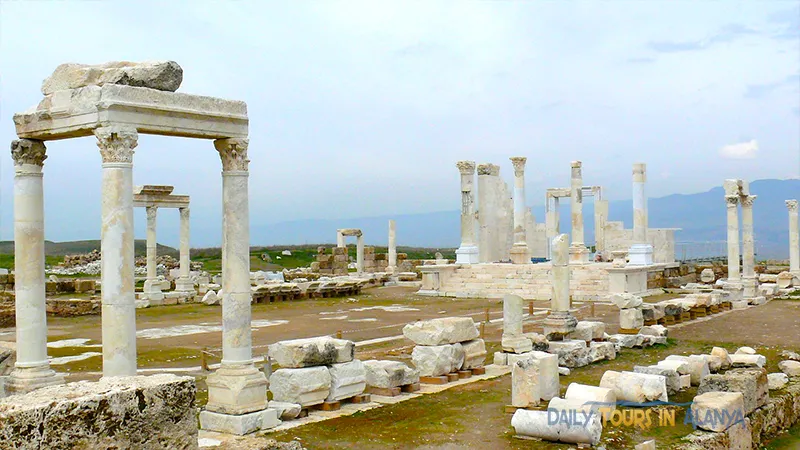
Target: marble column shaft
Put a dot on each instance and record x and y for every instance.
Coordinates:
(576, 207)
(117, 144)
(467, 169)
(748, 243)
(184, 282)
(732, 202)
(392, 246)
(519, 200)
(639, 204)
(794, 238)
(360, 254)
(600, 221)
(32, 368)
(152, 242)
(560, 251)
(340, 240)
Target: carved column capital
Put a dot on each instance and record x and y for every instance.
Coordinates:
(184, 212)
(747, 200)
(791, 205)
(152, 211)
(732, 200)
(466, 167)
(519, 165)
(116, 143)
(28, 151)
(233, 153)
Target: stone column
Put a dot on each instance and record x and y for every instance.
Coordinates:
(467, 252)
(360, 253)
(513, 341)
(732, 202)
(116, 145)
(237, 389)
(600, 220)
(749, 281)
(794, 238)
(184, 282)
(560, 322)
(641, 252)
(340, 239)
(392, 267)
(32, 368)
(552, 219)
(152, 257)
(578, 254)
(520, 254)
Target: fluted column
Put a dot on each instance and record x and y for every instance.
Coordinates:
(116, 145)
(520, 254)
(392, 267)
(560, 322)
(794, 238)
(578, 254)
(641, 252)
(732, 202)
(152, 252)
(467, 252)
(32, 368)
(237, 387)
(184, 282)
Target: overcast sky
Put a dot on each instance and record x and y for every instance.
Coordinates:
(363, 108)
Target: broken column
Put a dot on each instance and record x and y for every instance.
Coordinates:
(749, 280)
(525, 391)
(467, 252)
(641, 252)
(520, 254)
(392, 267)
(116, 145)
(513, 340)
(578, 253)
(794, 238)
(32, 368)
(560, 322)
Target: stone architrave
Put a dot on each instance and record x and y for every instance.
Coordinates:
(116, 145)
(513, 340)
(732, 202)
(578, 253)
(749, 279)
(520, 253)
(392, 267)
(641, 252)
(560, 322)
(467, 252)
(32, 367)
(794, 238)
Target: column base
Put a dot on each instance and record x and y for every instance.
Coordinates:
(516, 344)
(22, 381)
(239, 424)
(640, 255)
(184, 285)
(735, 290)
(750, 287)
(520, 254)
(467, 255)
(236, 390)
(578, 254)
(558, 325)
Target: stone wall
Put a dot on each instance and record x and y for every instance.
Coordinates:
(495, 215)
(62, 286)
(662, 240)
(335, 263)
(154, 412)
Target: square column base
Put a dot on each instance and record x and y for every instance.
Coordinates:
(184, 285)
(640, 255)
(239, 424)
(519, 254)
(237, 390)
(558, 325)
(467, 255)
(750, 286)
(22, 381)
(735, 290)
(578, 254)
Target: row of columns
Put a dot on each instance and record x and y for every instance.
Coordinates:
(184, 282)
(744, 275)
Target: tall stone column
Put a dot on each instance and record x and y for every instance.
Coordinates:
(116, 145)
(520, 253)
(732, 202)
(600, 221)
(641, 252)
(560, 322)
(184, 282)
(749, 280)
(467, 252)
(237, 388)
(552, 221)
(392, 267)
(152, 252)
(794, 238)
(340, 239)
(578, 254)
(360, 253)
(32, 368)
(513, 340)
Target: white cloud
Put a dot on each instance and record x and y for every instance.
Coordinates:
(742, 150)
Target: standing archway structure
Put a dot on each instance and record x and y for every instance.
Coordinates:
(116, 102)
(340, 242)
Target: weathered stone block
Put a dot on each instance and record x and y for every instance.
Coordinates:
(318, 351)
(525, 389)
(389, 374)
(635, 387)
(722, 355)
(626, 300)
(631, 318)
(717, 411)
(790, 368)
(447, 330)
(536, 424)
(347, 380)
(152, 412)
(474, 354)
(672, 376)
(435, 360)
(777, 381)
(752, 383)
(602, 397)
(744, 360)
(307, 386)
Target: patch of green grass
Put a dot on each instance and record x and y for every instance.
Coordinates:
(790, 439)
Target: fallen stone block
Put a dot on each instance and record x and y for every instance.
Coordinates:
(500, 358)
(745, 351)
(635, 387)
(347, 380)
(654, 330)
(737, 437)
(286, 411)
(436, 360)
(679, 365)
(777, 381)
(600, 351)
(631, 318)
(698, 367)
(717, 411)
(714, 363)
(625, 300)
(389, 374)
(549, 384)
(652, 312)
(446, 330)
(525, 390)
(722, 354)
(752, 383)
(790, 368)
(582, 332)
(672, 376)
(474, 354)
(536, 424)
(646, 445)
(686, 381)
(306, 386)
(597, 396)
(743, 360)
(516, 344)
(311, 352)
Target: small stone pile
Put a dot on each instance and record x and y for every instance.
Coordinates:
(314, 371)
(80, 259)
(631, 316)
(445, 346)
(167, 261)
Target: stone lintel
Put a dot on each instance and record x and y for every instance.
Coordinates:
(76, 112)
(349, 232)
(588, 191)
(160, 201)
(150, 189)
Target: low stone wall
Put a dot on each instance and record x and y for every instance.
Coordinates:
(62, 286)
(62, 307)
(154, 412)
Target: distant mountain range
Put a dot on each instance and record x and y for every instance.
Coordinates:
(701, 218)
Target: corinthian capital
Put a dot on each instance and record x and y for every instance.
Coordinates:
(466, 167)
(747, 200)
(233, 153)
(28, 151)
(152, 213)
(732, 200)
(519, 165)
(791, 205)
(116, 143)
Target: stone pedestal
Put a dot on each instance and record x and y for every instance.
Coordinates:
(32, 368)
(641, 252)
(467, 252)
(794, 238)
(116, 145)
(520, 253)
(560, 322)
